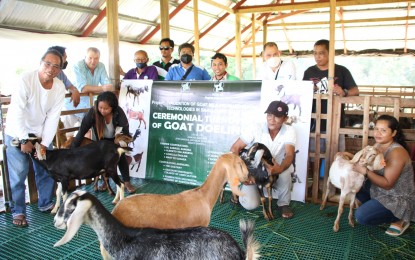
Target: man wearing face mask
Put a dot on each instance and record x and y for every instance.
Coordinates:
(75, 97)
(186, 70)
(141, 71)
(273, 67)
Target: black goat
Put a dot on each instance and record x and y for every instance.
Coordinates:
(120, 242)
(255, 158)
(83, 162)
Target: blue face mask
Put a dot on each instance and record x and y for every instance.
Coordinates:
(141, 65)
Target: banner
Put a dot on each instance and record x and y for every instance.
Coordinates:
(192, 123)
(181, 128)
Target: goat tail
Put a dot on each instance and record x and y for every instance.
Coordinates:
(251, 245)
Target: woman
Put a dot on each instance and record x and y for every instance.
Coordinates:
(104, 118)
(388, 195)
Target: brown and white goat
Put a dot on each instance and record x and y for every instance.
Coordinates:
(342, 176)
(190, 208)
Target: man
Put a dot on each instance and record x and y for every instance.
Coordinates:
(91, 77)
(186, 70)
(219, 63)
(344, 84)
(75, 97)
(273, 67)
(35, 108)
(142, 71)
(280, 140)
(166, 49)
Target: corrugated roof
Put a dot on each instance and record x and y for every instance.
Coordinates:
(359, 27)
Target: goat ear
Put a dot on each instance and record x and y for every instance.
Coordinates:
(75, 221)
(235, 172)
(379, 162)
(357, 156)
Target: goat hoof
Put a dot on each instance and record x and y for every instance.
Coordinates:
(335, 229)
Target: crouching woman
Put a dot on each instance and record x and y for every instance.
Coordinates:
(388, 195)
(104, 117)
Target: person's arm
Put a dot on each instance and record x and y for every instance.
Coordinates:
(286, 162)
(97, 89)
(86, 124)
(123, 121)
(395, 163)
(75, 96)
(52, 115)
(205, 75)
(238, 146)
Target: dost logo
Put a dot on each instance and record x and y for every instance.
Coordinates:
(186, 86)
(218, 87)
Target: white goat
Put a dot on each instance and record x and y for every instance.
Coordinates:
(342, 176)
(121, 242)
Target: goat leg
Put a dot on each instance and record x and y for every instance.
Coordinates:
(270, 202)
(58, 198)
(339, 212)
(110, 190)
(222, 200)
(352, 201)
(326, 194)
(264, 209)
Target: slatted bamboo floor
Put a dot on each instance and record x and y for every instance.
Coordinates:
(308, 235)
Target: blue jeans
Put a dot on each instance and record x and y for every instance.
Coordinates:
(18, 165)
(372, 212)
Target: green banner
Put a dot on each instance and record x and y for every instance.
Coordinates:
(192, 123)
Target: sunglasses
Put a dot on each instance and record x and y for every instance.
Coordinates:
(164, 48)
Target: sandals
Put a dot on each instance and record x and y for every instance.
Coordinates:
(234, 201)
(103, 186)
(20, 221)
(396, 230)
(286, 212)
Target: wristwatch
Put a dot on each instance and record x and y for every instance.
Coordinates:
(346, 92)
(23, 141)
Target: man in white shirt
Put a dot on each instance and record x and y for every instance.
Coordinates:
(273, 67)
(35, 108)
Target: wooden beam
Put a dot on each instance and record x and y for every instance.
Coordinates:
(405, 50)
(88, 31)
(164, 19)
(282, 16)
(175, 11)
(377, 20)
(196, 31)
(253, 46)
(113, 42)
(309, 5)
(218, 21)
(238, 60)
(340, 14)
(220, 6)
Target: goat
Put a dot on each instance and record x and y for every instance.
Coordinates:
(136, 92)
(190, 208)
(120, 139)
(121, 242)
(342, 176)
(135, 160)
(81, 163)
(255, 158)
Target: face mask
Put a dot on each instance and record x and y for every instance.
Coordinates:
(141, 65)
(64, 65)
(273, 62)
(186, 58)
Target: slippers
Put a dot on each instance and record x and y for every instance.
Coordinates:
(102, 187)
(395, 230)
(20, 221)
(234, 201)
(286, 212)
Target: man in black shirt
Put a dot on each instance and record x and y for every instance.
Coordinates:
(166, 48)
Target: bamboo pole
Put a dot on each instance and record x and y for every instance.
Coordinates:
(238, 68)
(196, 30)
(164, 19)
(113, 42)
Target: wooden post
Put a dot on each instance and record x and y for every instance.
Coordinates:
(113, 42)
(196, 30)
(253, 47)
(238, 55)
(164, 19)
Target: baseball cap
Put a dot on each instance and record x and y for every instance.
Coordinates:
(277, 108)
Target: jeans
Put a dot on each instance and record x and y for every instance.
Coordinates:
(18, 165)
(372, 212)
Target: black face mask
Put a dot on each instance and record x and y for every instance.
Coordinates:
(64, 65)
(186, 58)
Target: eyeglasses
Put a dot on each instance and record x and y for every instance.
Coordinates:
(54, 66)
(165, 48)
(140, 60)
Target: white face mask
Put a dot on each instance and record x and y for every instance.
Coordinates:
(273, 62)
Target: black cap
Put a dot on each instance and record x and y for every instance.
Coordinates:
(277, 108)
